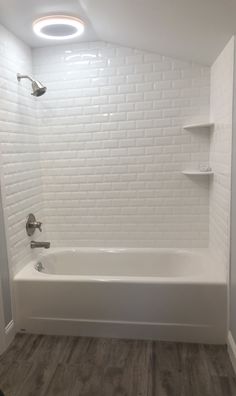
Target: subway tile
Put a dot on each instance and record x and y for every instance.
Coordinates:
(106, 150)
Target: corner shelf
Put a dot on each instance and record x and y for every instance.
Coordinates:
(193, 127)
(197, 173)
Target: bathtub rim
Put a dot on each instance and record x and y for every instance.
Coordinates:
(213, 274)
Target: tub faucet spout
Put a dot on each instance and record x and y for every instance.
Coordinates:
(34, 244)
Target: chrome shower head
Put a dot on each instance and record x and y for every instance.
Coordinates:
(37, 87)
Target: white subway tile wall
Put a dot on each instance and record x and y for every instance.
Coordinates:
(220, 152)
(20, 166)
(113, 147)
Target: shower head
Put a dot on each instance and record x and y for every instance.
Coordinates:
(37, 87)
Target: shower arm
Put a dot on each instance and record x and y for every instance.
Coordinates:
(20, 76)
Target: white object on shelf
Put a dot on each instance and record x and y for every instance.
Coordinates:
(207, 125)
(197, 173)
(205, 168)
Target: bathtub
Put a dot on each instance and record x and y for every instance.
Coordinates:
(165, 294)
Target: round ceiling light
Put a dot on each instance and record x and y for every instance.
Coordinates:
(58, 27)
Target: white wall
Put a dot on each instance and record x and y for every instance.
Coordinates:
(222, 196)
(232, 324)
(113, 147)
(220, 153)
(20, 167)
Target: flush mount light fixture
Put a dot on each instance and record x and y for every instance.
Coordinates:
(58, 27)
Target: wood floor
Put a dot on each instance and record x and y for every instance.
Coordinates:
(70, 366)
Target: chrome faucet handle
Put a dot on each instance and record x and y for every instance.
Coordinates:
(32, 224)
(38, 225)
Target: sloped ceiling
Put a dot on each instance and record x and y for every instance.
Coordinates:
(189, 29)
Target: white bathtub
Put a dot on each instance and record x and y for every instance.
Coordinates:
(176, 295)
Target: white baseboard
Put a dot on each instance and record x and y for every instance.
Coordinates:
(9, 333)
(132, 330)
(232, 350)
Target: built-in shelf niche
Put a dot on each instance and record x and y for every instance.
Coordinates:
(199, 127)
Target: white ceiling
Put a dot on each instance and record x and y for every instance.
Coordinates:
(188, 29)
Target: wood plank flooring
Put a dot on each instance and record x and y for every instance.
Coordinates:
(70, 366)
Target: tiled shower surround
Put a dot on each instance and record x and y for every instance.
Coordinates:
(113, 147)
(99, 157)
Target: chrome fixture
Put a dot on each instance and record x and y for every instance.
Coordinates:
(32, 224)
(35, 244)
(39, 266)
(37, 87)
